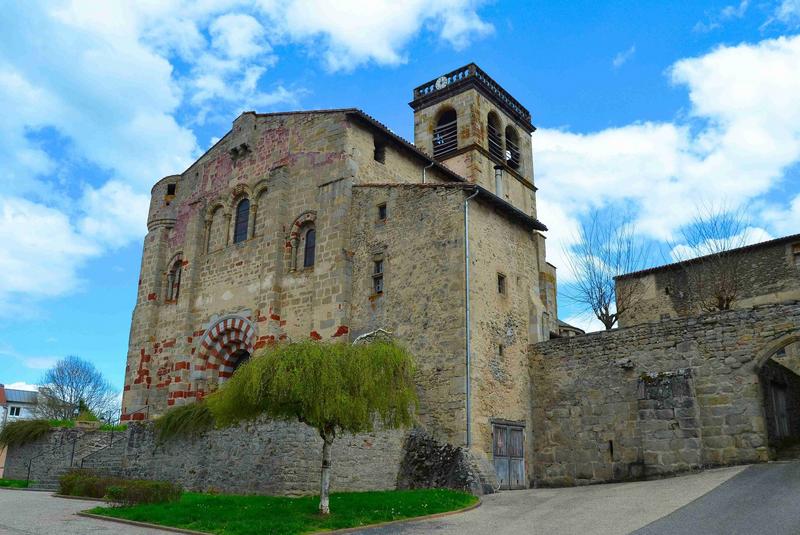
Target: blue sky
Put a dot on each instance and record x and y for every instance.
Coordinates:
(650, 105)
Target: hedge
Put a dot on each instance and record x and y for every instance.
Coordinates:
(123, 491)
(23, 431)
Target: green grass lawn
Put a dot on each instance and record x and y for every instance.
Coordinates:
(14, 483)
(239, 515)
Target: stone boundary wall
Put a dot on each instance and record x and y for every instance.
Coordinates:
(260, 457)
(265, 457)
(655, 399)
(53, 453)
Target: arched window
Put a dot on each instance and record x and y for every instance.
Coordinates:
(242, 218)
(174, 280)
(445, 135)
(512, 147)
(309, 247)
(495, 138)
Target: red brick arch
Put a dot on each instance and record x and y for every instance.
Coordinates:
(215, 359)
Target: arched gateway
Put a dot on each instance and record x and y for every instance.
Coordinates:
(225, 345)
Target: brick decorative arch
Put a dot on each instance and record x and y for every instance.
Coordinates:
(219, 344)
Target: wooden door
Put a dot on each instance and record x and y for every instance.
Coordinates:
(509, 456)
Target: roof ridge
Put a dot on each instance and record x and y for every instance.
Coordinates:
(696, 259)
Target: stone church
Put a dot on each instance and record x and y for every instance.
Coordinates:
(326, 225)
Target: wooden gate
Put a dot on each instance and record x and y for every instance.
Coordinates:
(509, 455)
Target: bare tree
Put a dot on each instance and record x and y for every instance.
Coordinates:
(71, 385)
(607, 246)
(713, 273)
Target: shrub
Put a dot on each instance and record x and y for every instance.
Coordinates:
(139, 491)
(83, 483)
(185, 421)
(23, 432)
(87, 416)
(113, 427)
(61, 423)
(123, 491)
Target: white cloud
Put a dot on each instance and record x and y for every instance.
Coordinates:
(352, 33)
(238, 36)
(788, 12)
(622, 57)
(748, 236)
(31, 362)
(727, 13)
(104, 82)
(588, 322)
(735, 146)
(21, 385)
(40, 251)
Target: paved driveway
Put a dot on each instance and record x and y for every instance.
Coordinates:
(39, 513)
(615, 509)
(764, 499)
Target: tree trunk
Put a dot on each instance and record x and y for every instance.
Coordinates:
(325, 480)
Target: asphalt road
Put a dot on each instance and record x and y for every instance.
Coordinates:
(616, 509)
(762, 500)
(757, 500)
(38, 513)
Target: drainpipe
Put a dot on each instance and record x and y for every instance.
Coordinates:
(498, 180)
(466, 318)
(426, 168)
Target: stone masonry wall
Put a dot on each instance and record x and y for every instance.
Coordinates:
(766, 273)
(265, 457)
(656, 398)
(259, 457)
(51, 454)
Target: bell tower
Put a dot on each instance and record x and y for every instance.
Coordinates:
(470, 123)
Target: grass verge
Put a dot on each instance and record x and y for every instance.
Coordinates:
(243, 515)
(14, 483)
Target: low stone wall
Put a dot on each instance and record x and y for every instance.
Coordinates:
(265, 457)
(51, 454)
(654, 399)
(260, 457)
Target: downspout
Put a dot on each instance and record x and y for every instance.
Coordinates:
(426, 168)
(468, 344)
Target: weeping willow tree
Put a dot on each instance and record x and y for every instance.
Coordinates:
(334, 388)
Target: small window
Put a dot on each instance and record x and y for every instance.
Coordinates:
(170, 189)
(666, 290)
(796, 254)
(382, 212)
(500, 350)
(242, 220)
(174, 280)
(377, 277)
(501, 283)
(15, 411)
(380, 151)
(309, 249)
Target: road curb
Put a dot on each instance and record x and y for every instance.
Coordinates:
(141, 524)
(404, 520)
(84, 498)
(336, 531)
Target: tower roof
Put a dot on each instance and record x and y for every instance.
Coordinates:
(470, 76)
